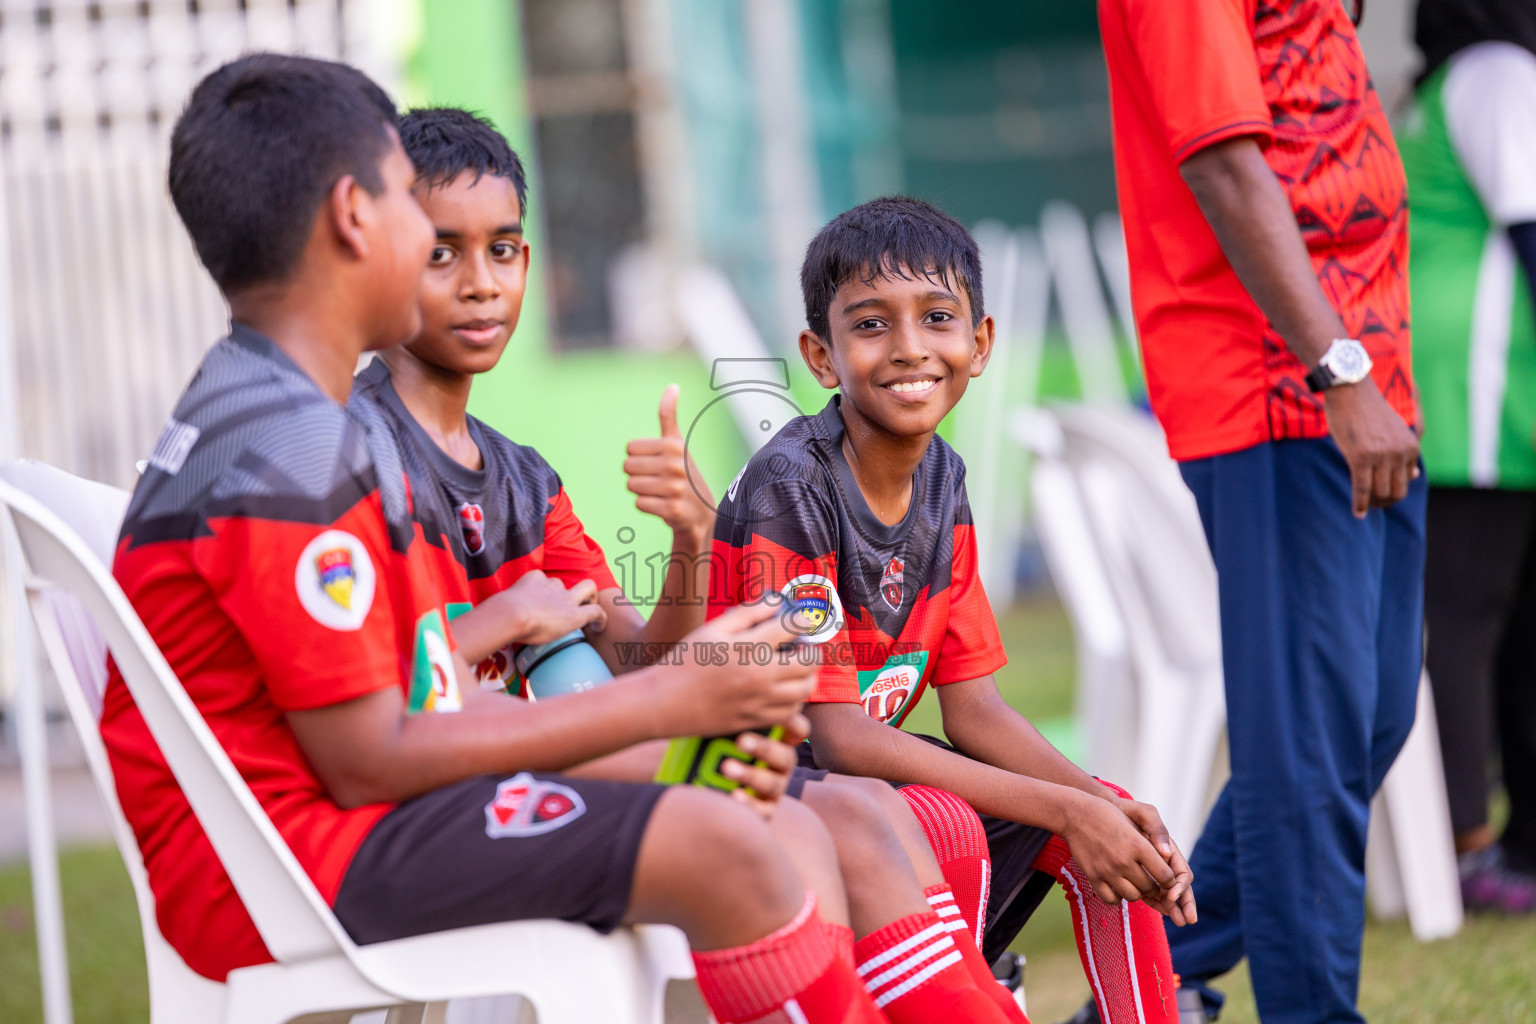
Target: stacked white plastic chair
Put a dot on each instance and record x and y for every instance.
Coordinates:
(1124, 543)
(561, 972)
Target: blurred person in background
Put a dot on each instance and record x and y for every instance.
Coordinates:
(1469, 146)
(1266, 224)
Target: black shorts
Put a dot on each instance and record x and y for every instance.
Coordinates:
(498, 848)
(1017, 888)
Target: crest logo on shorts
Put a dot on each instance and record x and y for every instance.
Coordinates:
(812, 608)
(472, 527)
(335, 580)
(890, 584)
(526, 806)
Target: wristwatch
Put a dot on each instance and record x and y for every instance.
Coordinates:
(1345, 362)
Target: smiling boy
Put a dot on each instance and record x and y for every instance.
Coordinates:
(858, 518)
(531, 573)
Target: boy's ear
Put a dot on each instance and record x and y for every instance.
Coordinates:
(981, 351)
(350, 213)
(818, 358)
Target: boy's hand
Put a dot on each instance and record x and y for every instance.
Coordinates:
(668, 484)
(763, 787)
(1178, 901)
(701, 697)
(539, 608)
(1120, 862)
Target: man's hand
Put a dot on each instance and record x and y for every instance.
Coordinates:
(722, 700)
(1381, 450)
(667, 483)
(763, 787)
(1121, 863)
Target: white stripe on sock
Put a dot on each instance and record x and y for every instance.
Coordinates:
(1130, 962)
(794, 1013)
(896, 992)
(928, 952)
(950, 911)
(956, 926)
(1093, 969)
(947, 896)
(986, 892)
(931, 932)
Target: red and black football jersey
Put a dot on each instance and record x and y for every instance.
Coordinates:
(485, 528)
(891, 609)
(269, 550)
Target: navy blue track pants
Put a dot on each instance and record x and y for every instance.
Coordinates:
(1321, 628)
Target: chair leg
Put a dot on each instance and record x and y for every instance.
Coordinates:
(416, 1013)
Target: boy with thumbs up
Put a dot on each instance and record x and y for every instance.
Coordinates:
(515, 567)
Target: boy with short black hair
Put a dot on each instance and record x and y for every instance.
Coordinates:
(527, 572)
(270, 552)
(858, 518)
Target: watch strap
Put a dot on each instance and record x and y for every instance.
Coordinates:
(1320, 379)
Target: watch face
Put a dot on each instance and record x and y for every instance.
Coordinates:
(1348, 361)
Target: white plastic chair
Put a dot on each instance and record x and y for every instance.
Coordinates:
(565, 972)
(1124, 542)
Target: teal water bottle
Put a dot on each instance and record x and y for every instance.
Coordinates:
(566, 665)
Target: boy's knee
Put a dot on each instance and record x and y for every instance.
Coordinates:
(724, 847)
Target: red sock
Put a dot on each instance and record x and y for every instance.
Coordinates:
(842, 939)
(960, 845)
(942, 899)
(1124, 949)
(917, 974)
(793, 976)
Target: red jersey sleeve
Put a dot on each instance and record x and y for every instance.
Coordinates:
(783, 548)
(972, 646)
(1200, 68)
(570, 554)
(312, 601)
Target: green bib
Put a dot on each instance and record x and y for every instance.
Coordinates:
(1474, 340)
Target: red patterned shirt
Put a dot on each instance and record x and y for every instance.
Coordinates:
(1186, 74)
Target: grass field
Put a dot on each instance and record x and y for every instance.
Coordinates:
(1485, 975)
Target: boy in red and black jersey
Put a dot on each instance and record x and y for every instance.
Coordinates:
(517, 567)
(271, 553)
(857, 520)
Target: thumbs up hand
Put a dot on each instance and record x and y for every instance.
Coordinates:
(667, 483)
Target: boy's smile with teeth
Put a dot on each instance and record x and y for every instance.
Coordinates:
(912, 387)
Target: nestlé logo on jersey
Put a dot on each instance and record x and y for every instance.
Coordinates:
(472, 527)
(526, 806)
(890, 584)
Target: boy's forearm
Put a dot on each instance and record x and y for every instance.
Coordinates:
(504, 736)
(990, 730)
(866, 747)
(483, 630)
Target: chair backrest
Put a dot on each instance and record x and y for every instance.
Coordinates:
(293, 920)
(1149, 529)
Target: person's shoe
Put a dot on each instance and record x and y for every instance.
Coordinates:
(1009, 970)
(1490, 883)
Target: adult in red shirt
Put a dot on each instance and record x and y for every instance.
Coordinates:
(1263, 201)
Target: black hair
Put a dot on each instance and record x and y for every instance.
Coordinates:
(260, 144)
(895, 236)
(445, 142)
